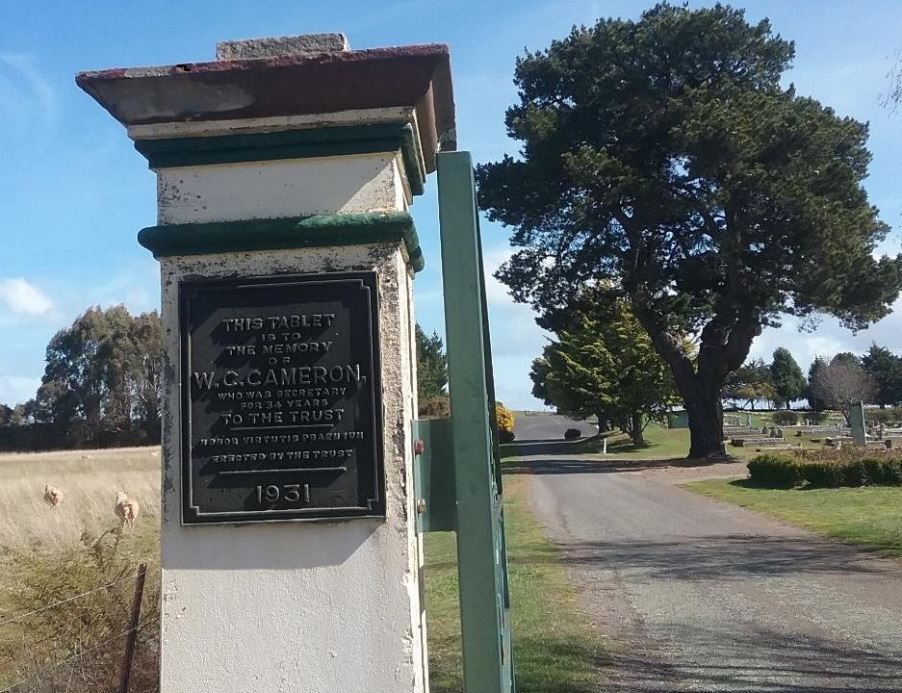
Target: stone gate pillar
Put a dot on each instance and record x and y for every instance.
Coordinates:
(285, 169)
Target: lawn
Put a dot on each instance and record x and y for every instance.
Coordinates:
(666, 443)
(870, 516)
(554, 648)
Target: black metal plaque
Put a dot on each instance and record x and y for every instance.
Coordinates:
(281, 399)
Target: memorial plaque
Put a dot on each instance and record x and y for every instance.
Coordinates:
(281, 409)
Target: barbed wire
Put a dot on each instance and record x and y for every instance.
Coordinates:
(73, 598)
(77, 655)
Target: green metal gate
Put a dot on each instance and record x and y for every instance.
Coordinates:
(458, 474)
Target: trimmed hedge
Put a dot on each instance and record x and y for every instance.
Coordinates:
(788, 471)
(785, 418)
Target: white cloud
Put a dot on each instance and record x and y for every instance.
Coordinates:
(830, 338)
(26, 96)
(16, 389)
(23, 298)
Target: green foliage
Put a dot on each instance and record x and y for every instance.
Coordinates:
(787, 378)
(891, 417)
(603, 364)
(785, 418)
(776, 471)
(812, 394)
(432, 366)
(88, 625)
(105, 371)
(885, 368)
(824, 471)
(664, 157)
(751, 383)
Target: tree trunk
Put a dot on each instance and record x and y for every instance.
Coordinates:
(603, 426)
(636, 430)
(705, 422)
(724, 345)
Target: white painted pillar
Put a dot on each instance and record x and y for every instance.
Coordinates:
(273, 167)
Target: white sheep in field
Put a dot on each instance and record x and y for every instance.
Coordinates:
(52, 496)
(126, 509)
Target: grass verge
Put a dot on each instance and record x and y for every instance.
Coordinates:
(554, 649)
(870, 516)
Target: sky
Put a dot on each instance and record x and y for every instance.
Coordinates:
(74, 192)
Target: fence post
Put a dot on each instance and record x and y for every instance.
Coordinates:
(132, 633)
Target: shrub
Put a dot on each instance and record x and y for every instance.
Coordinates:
(77, 644)
(504, 417)
(505, 436)
(826, 470)
(776, 471)
(572, 433)
(785, 418)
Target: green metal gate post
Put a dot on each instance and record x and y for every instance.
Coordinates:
(482, 561)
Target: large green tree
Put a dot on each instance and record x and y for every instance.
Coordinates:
(885, 368)
(787, 378)
(603, 364)
(104, 370)
(663, 156)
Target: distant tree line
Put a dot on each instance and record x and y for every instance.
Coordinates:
(101, 385)
(832, 383)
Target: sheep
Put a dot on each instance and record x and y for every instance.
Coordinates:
(52, 496)
(126, 509)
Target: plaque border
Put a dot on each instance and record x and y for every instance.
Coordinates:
(375, 508)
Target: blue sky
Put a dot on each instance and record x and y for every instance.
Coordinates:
(75, 193)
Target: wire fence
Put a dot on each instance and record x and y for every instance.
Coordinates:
(61, 602)
(87, 657)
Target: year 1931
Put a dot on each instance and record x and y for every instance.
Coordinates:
(290, 493)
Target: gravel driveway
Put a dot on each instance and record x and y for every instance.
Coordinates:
(693, 594)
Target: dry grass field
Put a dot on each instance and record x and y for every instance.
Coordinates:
(89, 480)
(67, 573)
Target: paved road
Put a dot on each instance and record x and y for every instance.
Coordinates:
(697, 595)
(545, 426)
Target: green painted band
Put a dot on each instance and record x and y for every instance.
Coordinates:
(290, 144)
(278, 234)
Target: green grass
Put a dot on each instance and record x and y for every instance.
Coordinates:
(661, 443)
(665, 443)
(869, 516)
(554, 650)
